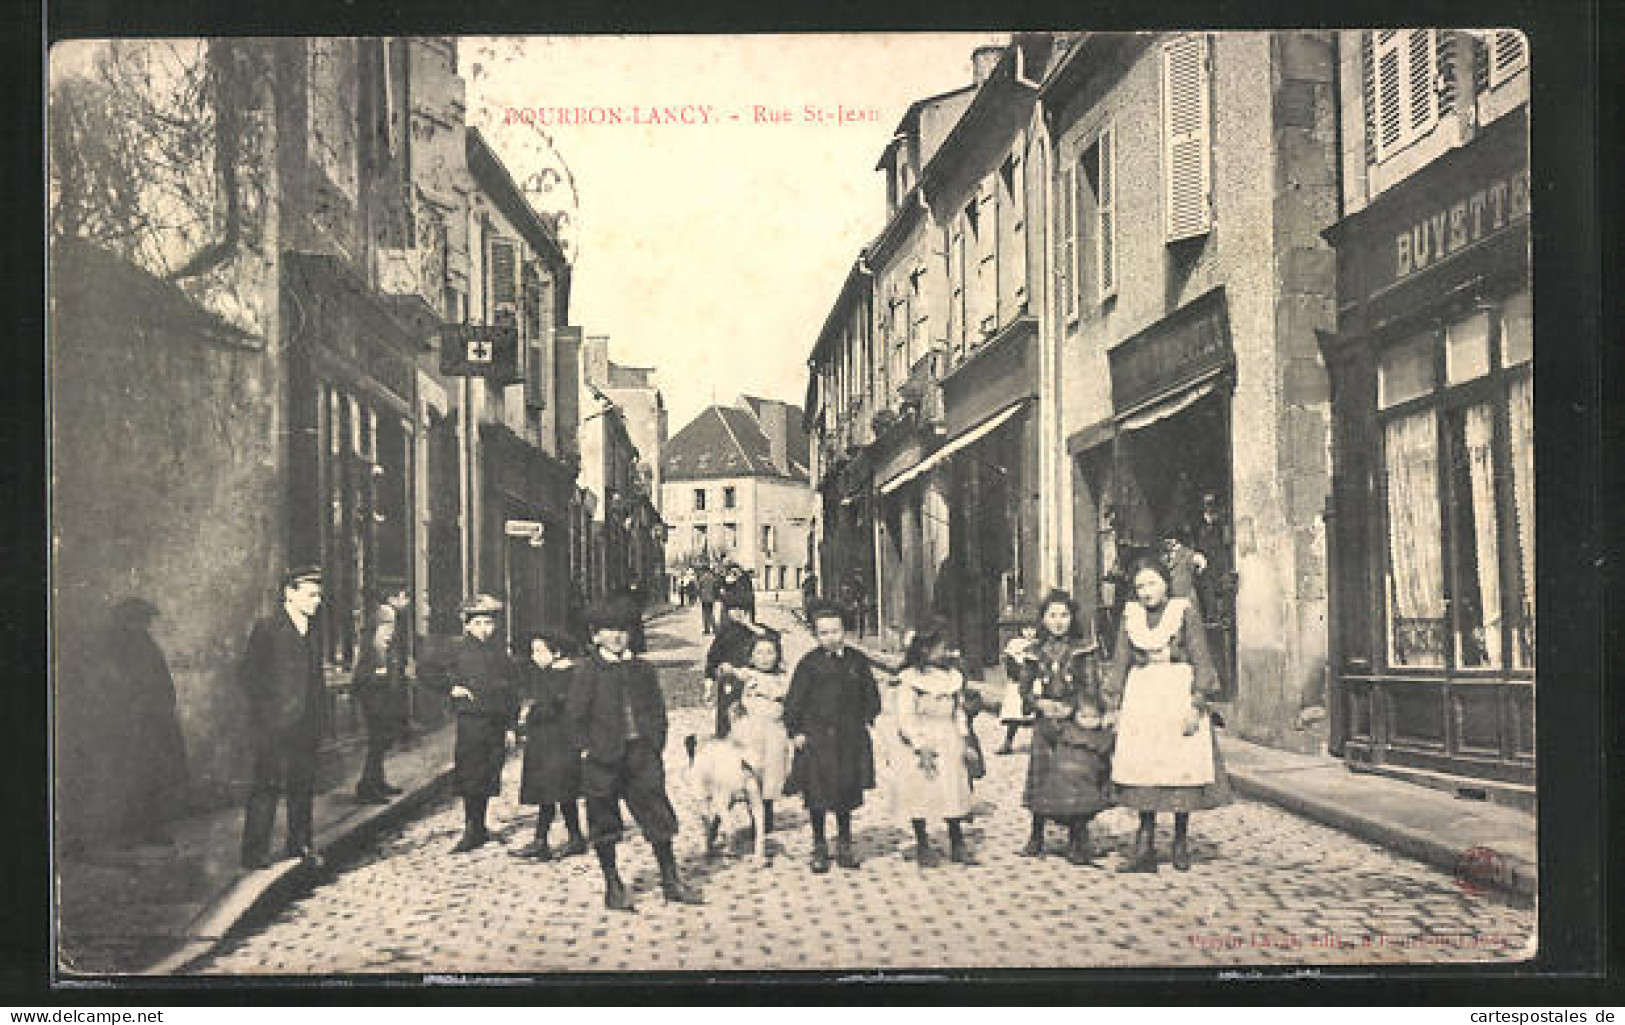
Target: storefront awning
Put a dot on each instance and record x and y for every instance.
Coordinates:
(963, 441)
(1167, 405)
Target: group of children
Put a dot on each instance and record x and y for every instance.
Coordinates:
(1132, 731)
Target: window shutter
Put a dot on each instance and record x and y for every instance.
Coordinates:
(1422, 95)
(1106, 210)
(1508, 54)
(1069, 239)
(1368, 94)
(1188, 167)
(1445, 49)
(501, 273)
(536, 379)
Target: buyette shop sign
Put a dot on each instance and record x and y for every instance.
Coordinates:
(1445, 231)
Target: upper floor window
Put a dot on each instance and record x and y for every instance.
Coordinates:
(1099, 168)
(1403, 82)
(728, 498)
(699, 500)
(1187, 144)
(1508, 54)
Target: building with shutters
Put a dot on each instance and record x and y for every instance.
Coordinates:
(925, 385)
(737, 491)
(1431, 537)
(1192, 176)
(523, 489)
(621, 411)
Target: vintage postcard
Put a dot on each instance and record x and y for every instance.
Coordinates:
(849, 503)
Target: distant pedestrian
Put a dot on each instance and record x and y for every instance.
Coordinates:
(738, 589)
(1069, 773)
(550, 777)
(379, 684)
(809, 594)
(1167, 756)
(1020, 663)
(619, 718)
(707, 591)
(832, 701)
(287, 698)
(933, 777)
(483, 684)
(153, 753)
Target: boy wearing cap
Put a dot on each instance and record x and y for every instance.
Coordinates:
(483, 683)
(619, 718)
(282, 675)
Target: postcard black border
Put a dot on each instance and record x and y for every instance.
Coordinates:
(1576, 428)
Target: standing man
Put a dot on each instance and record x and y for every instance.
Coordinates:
(809, 594)
(708, 600)
(282, 674)
(483, 684)
(738, 589)
(619, 719)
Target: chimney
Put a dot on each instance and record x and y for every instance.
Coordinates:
(774, 426)
(983, 60)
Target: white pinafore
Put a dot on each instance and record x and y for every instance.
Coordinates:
(1152, 749)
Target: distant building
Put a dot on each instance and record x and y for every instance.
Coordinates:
(736, 490)
(620, 408)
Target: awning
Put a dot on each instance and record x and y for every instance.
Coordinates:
(968, 438)
(1167, 405)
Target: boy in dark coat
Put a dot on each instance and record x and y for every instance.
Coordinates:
(483, 684)
(831, 703)
(282, 673)
(619, 718)
(552, 770)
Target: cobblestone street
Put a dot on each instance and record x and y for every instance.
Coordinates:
(1266, 888)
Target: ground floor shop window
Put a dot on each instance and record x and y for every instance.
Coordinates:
(1415, 571)
(1458, 451)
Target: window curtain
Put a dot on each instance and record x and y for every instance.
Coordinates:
(1521, 418)
(1478, 432)
(1415, 539)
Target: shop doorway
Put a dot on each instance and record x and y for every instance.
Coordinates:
(1171, 477)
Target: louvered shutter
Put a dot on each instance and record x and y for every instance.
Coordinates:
(1368, 92)
(502, 274)
(1187, 164)
(1422, 97)
(1106, 214)
(1444, 50)
(1069, 239)
(1508, 54)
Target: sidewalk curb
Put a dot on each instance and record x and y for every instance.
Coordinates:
(1521, 878)
(259, 892)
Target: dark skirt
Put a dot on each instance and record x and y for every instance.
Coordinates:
(552, 770)
(1069, 772)
(478, 755)
(1179, 799)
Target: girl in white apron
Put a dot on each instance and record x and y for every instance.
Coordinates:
(1167, 756)
(932, 780)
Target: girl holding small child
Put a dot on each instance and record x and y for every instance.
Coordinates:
(1068, 778)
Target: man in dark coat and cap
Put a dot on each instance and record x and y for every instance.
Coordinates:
(619, 718)
(831, 704)
(483, 684)
(282, 674)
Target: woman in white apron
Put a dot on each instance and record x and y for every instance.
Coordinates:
(1167, 757)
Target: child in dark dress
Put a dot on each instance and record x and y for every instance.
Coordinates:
(551, 776)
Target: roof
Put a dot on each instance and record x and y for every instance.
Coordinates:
(725, 441)
(496, 182)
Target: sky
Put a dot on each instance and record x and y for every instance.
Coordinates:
(711, 251)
